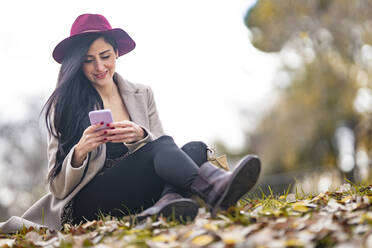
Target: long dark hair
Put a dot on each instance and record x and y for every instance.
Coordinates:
(66, 110)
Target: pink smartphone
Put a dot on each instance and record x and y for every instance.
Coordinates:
(98, 116)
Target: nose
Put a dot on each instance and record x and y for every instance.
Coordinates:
(99, 65)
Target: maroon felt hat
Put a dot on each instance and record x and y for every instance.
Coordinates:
(93, 23)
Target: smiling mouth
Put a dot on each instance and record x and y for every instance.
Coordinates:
(101, 75)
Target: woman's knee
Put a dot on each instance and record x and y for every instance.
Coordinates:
(195, 144)
(197, 150)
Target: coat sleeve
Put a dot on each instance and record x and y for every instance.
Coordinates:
(69, 177)
(155, 124)
(155, 129)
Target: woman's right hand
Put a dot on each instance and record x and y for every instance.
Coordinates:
(89, 141)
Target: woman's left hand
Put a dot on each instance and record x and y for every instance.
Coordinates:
(124, 131)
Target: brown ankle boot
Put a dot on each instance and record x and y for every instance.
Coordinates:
(221, 189)
(172, 205)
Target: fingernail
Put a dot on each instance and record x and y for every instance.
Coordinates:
(108, 124)
(102, 123)
(105, 132)
(105, 139)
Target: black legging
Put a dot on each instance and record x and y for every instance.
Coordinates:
(139, 180)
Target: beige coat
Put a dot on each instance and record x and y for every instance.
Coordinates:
(140, 103)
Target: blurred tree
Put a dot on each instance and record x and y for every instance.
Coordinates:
(324, 86)
(23, 164)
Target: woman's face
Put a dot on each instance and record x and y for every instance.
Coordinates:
(99, 63)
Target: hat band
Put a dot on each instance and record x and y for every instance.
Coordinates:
(92, 30)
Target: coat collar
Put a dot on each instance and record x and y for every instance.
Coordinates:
(134, 99)
(125, 87)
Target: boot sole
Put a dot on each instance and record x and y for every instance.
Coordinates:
(180, 210)
(243, 178)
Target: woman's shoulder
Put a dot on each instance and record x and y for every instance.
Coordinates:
(128, 86)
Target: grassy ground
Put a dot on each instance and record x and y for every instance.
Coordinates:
(342, 218)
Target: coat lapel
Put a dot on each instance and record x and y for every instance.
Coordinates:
(134, 100)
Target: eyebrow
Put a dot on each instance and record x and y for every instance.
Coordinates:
(99, 53)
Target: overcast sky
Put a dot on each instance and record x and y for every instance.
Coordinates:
(196, 56)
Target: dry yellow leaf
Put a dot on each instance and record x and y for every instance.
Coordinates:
(277, 212)
(210, 227)
(132, 246)
(346, 199)
(203, 240)
(188, 234)
(89, 224)
(233, 237)
(164, 238)
(229, 241)
(300, 207)
(293, 242)
(6, 242)
(367, 216)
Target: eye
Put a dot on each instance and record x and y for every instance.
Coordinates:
(106, 57)
(88, 61)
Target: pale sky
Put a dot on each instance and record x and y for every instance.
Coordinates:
(196, 56)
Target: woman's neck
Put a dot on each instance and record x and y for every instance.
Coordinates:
(108, 92)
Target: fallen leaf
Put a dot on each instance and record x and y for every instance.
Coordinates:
(8, 242)
(294, 242)
(211, 227)
(361, 229)
(346, 199)
(344, 187)
(33, 236)
(368, 240)
(164, 238)
(291, 198)
(300, 207)
(203, 240)
(235, 235)
(51, 242)
(89, 224)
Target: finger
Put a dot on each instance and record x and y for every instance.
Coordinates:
(93, 128)
(122, 124)
(94, 143)
(99, 133)
(88, 138)
(127, 138)
(123, 141)
(120, 131)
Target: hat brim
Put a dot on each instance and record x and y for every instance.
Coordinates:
(124, 41)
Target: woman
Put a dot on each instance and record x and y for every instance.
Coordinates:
(125, 168)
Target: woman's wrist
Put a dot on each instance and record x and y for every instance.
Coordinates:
(141, 134)
(78, 158)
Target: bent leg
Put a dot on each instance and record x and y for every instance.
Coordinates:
(129, 187)
(197, 151)
(174, 166)
(136, 182)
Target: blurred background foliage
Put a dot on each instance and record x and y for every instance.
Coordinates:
(320, 119)
(23, 161)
